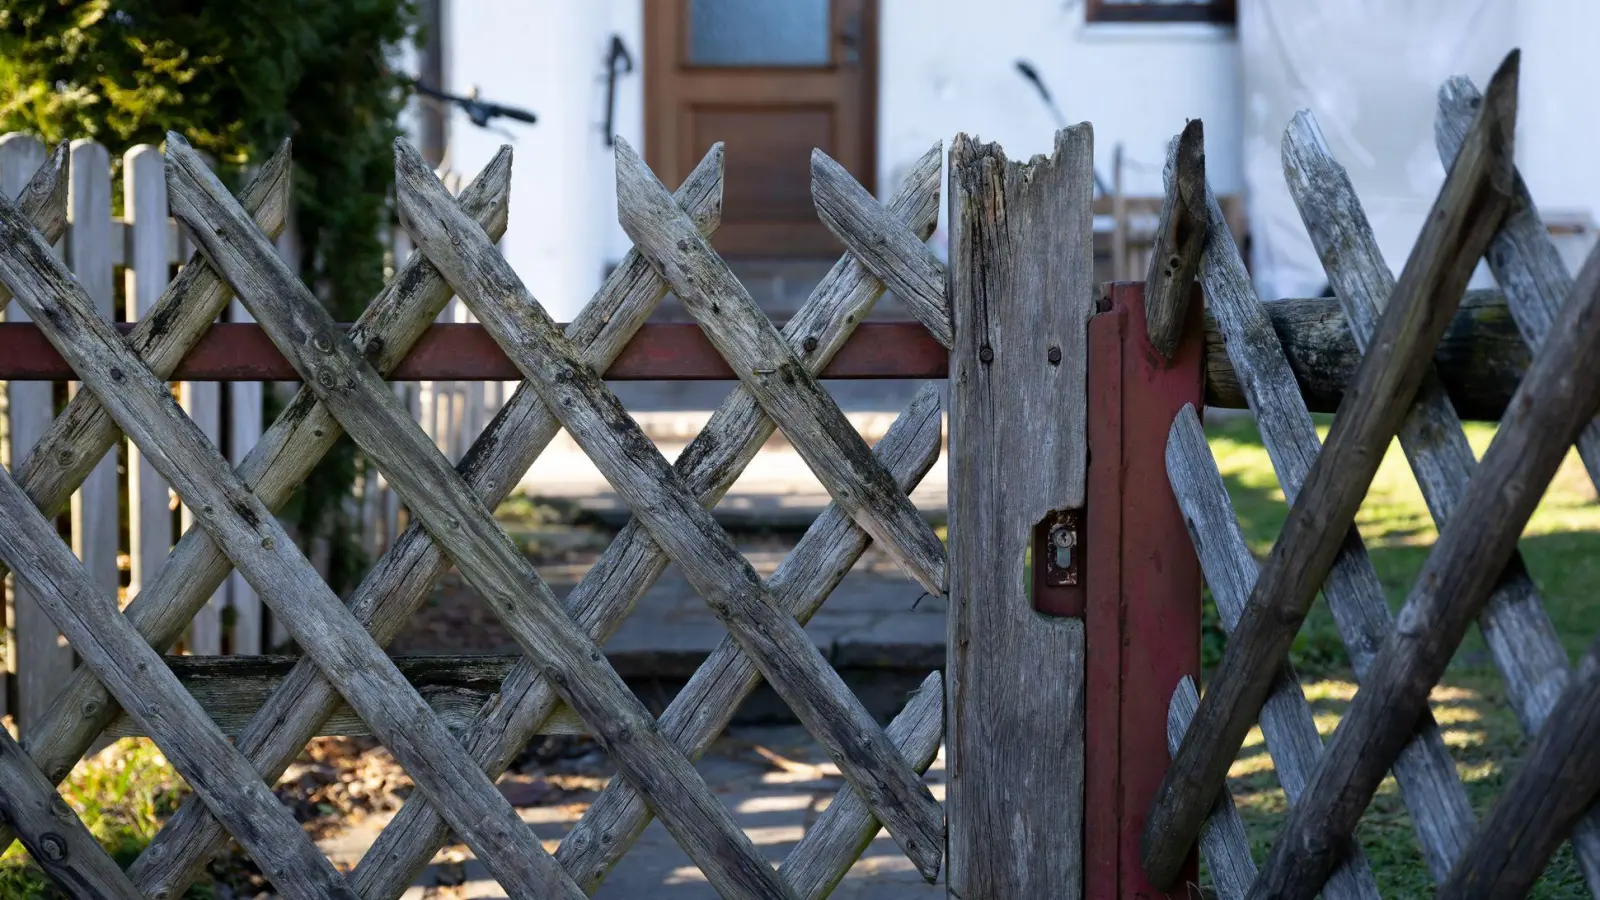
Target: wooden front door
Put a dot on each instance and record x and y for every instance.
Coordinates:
(772, 80)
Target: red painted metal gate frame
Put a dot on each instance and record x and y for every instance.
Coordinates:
(1142, 615)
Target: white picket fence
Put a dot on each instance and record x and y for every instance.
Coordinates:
(125, 263)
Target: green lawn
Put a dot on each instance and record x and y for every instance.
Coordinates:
(1562, 549)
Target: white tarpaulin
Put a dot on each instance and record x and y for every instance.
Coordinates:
(1370, 71)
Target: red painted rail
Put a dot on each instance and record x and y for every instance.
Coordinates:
(659, 352)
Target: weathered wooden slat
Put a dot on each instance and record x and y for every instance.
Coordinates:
(202, 403)
(245, 415)
(454, 516)
(706, 705)
(1521, 639)
(1480, 358)
(1179, 241)
(773, 372)
(220, 776)
(144, 201)
(1522, 257)
(1552, 405)
(142, 405)
(53, 833)
(632, 562)
(95, 505)
(404, 577)
(1222, 839)
(83, 433)
(1230, 570)
(841, 834)
(33, 650)
(665, 506)
(1548, 795)
(881, 243)
(1022, 291)
(1464, 217)
(1441, 812)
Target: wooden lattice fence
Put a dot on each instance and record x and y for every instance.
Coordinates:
(123, 676)
(1472, 574)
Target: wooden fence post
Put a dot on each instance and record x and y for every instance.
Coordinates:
(1022, 289)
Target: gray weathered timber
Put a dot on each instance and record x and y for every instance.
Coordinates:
(774, 373)
(1230, 570)
(1549, 795)
(1551, 407)
(1441, 813)
(35, 658)
(1022, 290)
(1464, 217)
(233, 689)
(273, 470)
(142, 405)
(839, 836)
(1522, 257)
(460, 522)
(405, 575)
(108, 644)
(1180, 239)
(54, 835)
(664, 504)
(882, 243)
(1222, 840)
(82, 434)
(707, 703)
(1521, 639)
(632, 562)
(1480, 358)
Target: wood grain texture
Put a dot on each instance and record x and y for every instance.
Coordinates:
(1521, 638)
(700, 712)
(632, 562)
(1223, 839)
(1464, 217)
(404, 577)
(142, 405)
(1552, 405)
(219, 775)
(1021, 284)
(455, 517)
(666, 507)
(84, 432)
(882, 243)
(1522, 257)
(53, 834)
(1180, 239)
(770, 369)
(40, 181)
(1230, 569)
(842, 833)
(1551, 794)
(1480, 358)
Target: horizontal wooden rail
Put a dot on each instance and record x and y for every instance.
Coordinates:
(1481, 358)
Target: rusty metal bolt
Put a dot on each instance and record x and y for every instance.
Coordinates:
(986, 354)
(1054, 355)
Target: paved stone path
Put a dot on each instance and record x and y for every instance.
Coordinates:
(774, 803)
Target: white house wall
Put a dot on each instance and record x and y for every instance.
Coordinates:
(943, 69)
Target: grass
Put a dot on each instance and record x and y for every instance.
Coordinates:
(127, 791)
(1562, 549)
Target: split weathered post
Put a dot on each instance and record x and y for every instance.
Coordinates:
(1022, 291)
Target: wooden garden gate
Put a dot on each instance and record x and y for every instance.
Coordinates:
(1080, 491)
